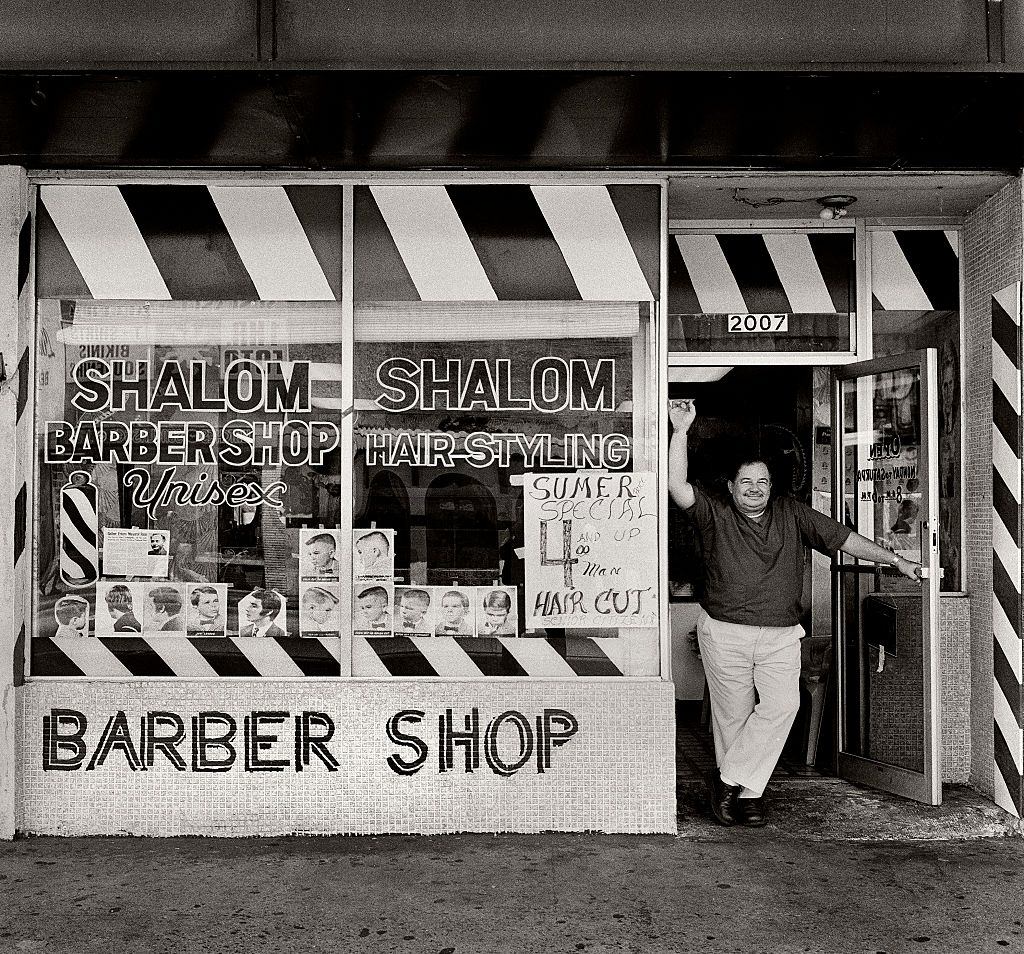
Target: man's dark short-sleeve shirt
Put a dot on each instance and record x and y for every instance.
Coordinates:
(755, 570)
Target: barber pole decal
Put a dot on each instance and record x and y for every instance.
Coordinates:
(79, 532)
(1008, 697)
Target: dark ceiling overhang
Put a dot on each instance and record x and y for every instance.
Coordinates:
(533, 120)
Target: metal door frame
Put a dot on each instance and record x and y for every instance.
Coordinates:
(923, 786)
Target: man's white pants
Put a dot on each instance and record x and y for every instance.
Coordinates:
(737, 660)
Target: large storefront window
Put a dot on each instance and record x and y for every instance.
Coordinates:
(915, 283)
(513, 446)
(189, 469)
(446, 428)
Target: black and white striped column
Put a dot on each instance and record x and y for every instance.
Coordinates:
(1008, 699)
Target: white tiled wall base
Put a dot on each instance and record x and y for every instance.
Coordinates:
(616, 774)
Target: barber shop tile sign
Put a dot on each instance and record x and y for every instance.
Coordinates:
(449, 740)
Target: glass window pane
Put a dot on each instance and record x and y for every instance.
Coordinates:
(915, 276)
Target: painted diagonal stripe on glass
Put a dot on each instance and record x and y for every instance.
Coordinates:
(189, 243)
(1005, 528)
(1005, 334)
(755, 273)
(1006, 421)
(712, 279)
(92, 657)
(24, 253)
(181, 656)
(24, 369)
(365, 662)
(312, 655)
(597, 250)
(446, 656)
(682, 297)
(48, 659)
(271, 243)
(267, 657)
(1007, 639)
(490, 656)
(378, 271)
(954, 241)
(21, 521)
(537, 657)
(639, 209)
(893, 281)
(522, 260)
(932, 260)
(319, 208)
(104, 240)
(834, 255)
(1005, 767)
(137, 656)
(1006, 464)
(1005, 591)
(401, 656)
(223, 655)
(799, 274)
(1006, 377)
(433, 243)
(1009, 728)
(584, 656)
(57, 275)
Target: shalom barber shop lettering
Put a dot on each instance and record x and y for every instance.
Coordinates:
(282, 741)
(271, 424)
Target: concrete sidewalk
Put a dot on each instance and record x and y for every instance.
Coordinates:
(831, 873)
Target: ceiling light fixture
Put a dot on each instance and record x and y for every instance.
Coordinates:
(834, 206)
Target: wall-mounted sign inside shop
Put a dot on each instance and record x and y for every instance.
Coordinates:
(591, 550)
(762, 323)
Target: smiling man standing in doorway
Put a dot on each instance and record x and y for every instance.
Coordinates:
(749, 628)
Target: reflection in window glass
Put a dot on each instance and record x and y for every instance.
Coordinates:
(915, 277)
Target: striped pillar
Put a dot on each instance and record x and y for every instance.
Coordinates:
(1008, 698)
(16, 468)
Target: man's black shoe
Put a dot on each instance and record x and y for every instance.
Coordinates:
(723, 799)
(751, 812)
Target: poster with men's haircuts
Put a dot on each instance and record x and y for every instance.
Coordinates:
(455, 613)
(206, 609)
(496, 612)
(373, 554)
(72, 616)
(415, 612)
(373, 608)
(120, 608)
(133, 552)
(263, 613)
(163, 610)
(319, 609)
(318, 555)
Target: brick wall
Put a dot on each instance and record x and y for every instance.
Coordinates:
(992, 260)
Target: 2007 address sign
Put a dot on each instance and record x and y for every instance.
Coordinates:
(758, 323)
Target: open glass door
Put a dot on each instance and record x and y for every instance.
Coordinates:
(885, 486)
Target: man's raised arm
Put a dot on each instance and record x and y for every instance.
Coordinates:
(681, 415)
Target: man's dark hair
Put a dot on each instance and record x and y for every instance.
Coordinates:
(119, 597)
(746, 459)
(200, 591)
(269, 601)
(166, 599)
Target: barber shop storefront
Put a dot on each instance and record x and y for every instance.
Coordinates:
(348, 509)
(337, 400)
